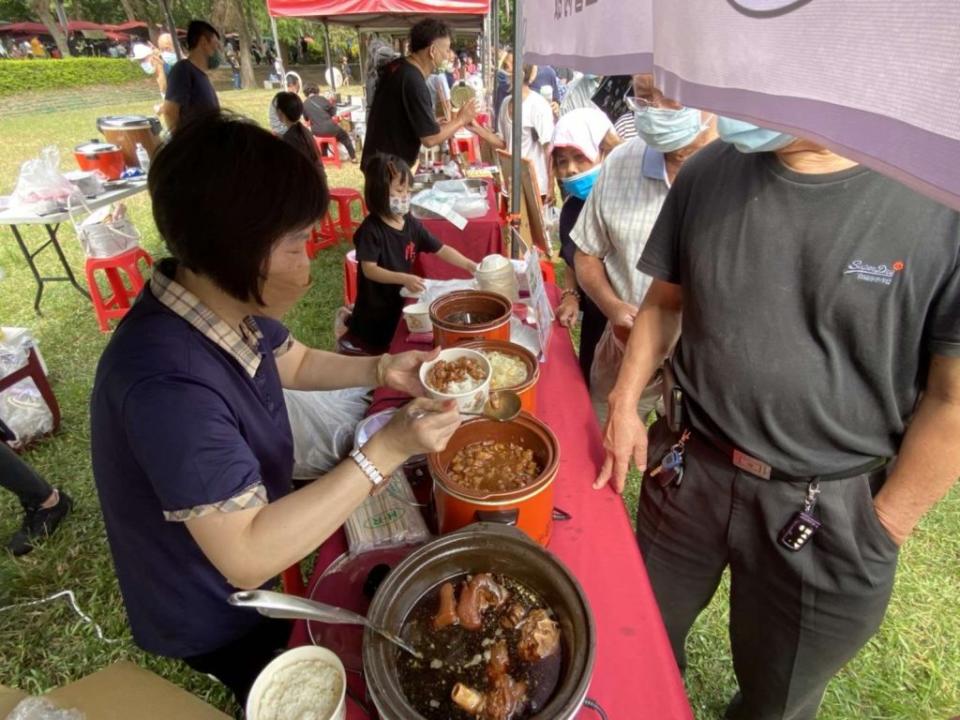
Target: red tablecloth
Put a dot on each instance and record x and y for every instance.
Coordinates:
(635, 677)
(481, 237)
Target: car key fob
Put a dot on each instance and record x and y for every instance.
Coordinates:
(798, 531)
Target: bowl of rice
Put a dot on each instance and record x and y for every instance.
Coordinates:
(458, 374)
(307, 683)
(513, 367)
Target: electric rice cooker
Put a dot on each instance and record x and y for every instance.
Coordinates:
(105, 158)
(128, 131)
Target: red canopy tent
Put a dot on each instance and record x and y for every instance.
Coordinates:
(24, 28)
(383, 15)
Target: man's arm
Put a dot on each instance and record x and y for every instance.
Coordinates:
(655, 332)
(593, 280)
(463, 118)
(929, 460)
(492, 138)
(171, 113)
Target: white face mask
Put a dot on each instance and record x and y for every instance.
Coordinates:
(399, 205)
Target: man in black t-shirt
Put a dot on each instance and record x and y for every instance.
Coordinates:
(402, 117)
(820, 364)
(319, 112)
(190, 93)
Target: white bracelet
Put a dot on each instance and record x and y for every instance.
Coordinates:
(369, 469)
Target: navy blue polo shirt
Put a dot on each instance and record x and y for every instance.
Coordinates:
(187, 418)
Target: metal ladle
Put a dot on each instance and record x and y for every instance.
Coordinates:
(290, 607)
(501, 406)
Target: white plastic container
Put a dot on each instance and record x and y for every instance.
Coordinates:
(292, 657)
(496, 274)
(417, 317)
(471, 401)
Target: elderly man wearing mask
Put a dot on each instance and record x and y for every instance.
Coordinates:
(811, 307)
(581, 140)
(619, 214)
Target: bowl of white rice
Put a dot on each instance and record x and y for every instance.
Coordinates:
(306, 683)
(458, 374)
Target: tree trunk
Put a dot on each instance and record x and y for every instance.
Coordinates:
(128, 10)
(247, 79)
(220, 14)
(42, 9)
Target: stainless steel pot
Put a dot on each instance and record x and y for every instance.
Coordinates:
(481, 548)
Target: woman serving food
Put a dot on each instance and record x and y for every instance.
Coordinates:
(192, 450)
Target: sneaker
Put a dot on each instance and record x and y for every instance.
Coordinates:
(39, 523)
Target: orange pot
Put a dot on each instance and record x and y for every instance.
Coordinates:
(530, 508)
(450, 330)
(526, 390)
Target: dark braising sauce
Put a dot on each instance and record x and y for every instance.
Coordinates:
(455, 654)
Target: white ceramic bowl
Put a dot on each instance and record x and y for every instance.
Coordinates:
(417, 317)
(468, 402)
(291, 657)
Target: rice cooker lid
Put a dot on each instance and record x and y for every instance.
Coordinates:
(96, 148)
(124, 122)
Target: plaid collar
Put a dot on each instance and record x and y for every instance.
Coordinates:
(243, 346)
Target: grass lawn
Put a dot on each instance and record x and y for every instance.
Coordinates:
(910, 670)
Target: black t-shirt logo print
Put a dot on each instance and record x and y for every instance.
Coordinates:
(766, 8)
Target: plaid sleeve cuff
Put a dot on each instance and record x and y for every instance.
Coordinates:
(251, 497)
(284, 347)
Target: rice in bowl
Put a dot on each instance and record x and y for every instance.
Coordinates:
(309, 689)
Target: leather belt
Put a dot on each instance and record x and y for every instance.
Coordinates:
(749, 464)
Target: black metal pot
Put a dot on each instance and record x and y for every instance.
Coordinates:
(478, 548)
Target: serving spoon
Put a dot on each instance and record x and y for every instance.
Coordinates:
(289, 607)
(501, 406)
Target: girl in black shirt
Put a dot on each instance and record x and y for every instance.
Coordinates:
(387, 244)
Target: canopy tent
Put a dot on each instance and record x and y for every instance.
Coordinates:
(24, 28)
(385, 15)
(875, 80)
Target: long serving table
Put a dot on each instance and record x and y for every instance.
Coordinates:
(51, 223)
(482, 236)
(635, 676)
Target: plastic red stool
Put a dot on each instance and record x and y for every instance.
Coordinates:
(325, 143)
(344, 198)
(322, 235)
(291, 580)
(470, 146)
(350, 278)
(116, 305)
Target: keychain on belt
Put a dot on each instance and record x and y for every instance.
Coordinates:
(802, 524)
(670, 469)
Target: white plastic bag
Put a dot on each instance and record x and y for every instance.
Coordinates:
(34, 708)
(106, 231)
(41, 187)
(389, 519)
(323, 426)
(22, 407)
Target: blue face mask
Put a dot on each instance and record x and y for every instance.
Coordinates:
(749, 138)
(667, 130)
(582, 183)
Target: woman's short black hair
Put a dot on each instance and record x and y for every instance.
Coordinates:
(426, 32)
(290, 105)
(224, 190)
(380, 172)
(311, 89)
(197, 30)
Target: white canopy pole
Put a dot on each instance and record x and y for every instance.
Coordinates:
(516, 186)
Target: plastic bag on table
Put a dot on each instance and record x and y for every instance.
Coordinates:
(34, 708)
(389, 519)
(323, 426)
(41, 187)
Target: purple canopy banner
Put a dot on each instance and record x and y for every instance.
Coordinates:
(875, 80)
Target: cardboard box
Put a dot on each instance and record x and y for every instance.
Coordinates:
(122, 691)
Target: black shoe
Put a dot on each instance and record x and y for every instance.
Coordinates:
(39, 523)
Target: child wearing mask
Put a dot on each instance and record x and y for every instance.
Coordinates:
(387, 243)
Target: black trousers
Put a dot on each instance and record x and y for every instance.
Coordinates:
(21, 479)
(795, 617)
(238, 663)
(592, 326)
(342, 136)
